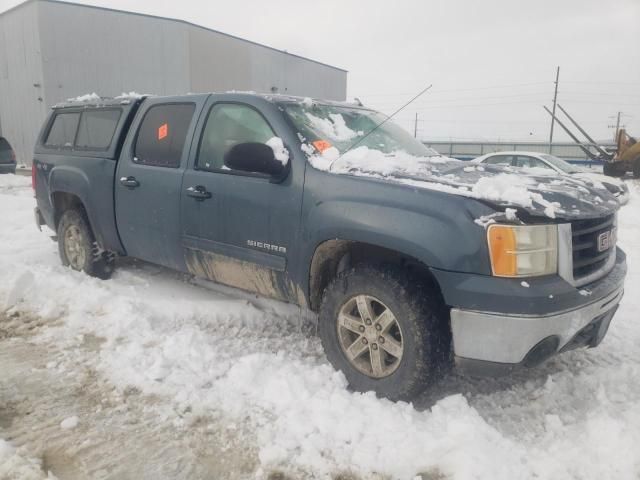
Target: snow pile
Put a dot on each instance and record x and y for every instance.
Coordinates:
(514, 190)
(363, 161)
(131, 95)
(279, 150)
(333, 127)
(504, 186)
(14, 465)
(69, 423)
(89, 97)
(219, 352)
(15, 185)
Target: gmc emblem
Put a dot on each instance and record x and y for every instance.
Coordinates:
(606, 240)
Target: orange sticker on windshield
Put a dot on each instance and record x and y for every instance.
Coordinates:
(163, 131)
(321, 145)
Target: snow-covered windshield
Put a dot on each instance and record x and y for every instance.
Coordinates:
(566, 167)
(342, 127)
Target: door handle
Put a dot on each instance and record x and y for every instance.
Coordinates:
(198, 192)
(129, 182)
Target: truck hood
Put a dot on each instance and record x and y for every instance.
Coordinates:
(561, 197)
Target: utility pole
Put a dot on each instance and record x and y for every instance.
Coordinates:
(415, 127)
(617, 125)
(555, 100)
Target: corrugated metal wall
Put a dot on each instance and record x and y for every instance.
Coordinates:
(88, 50)
(71, 50)
(22, 103)
(221, 63)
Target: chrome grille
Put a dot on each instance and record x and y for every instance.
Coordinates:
(586, 236)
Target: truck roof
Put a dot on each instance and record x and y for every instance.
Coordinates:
(94, 100)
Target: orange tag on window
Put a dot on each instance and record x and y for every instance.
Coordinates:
(322, 145)
(163, 131)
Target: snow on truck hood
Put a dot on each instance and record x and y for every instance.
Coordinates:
(539, 194)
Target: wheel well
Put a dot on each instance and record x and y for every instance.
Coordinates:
(63, 201)
(334, 256)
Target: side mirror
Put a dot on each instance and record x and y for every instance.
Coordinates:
(253, 157)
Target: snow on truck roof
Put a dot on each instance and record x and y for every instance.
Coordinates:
(95, 100)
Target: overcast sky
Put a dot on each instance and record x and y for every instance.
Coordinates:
(491, 62)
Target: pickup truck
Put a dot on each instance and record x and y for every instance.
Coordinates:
(414, 262)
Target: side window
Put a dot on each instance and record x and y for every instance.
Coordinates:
(97, 128)
(63, 130)
(162, 135)
(229, 124)
(499, 160)
(530, 162)
(535, 162)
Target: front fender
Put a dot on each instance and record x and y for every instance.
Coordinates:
(439, 239)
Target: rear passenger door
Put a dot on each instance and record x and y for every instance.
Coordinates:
(149, 179)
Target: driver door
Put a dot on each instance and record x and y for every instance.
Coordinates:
(237, 226)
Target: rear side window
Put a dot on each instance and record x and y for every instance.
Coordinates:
(97, 128)
(63, 130)
(162, 135)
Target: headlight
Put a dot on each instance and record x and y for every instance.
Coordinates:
(523, 251)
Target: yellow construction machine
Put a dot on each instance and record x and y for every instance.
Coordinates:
(625, 158)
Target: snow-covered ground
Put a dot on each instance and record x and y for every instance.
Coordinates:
(154, 375)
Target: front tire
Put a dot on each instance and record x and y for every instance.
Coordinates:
(385, 331)
(78, 248)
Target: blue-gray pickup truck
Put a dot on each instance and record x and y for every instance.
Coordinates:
(414, 262)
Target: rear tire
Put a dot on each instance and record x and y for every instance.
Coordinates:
(78, 248)
(396, 341)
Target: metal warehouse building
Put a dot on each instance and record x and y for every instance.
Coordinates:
(52, 50)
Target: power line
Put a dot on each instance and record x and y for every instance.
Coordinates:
(460, 89)
(636, 84)
(476, 97)
(499, 122)
(427, 108)
(573, 97)
(553, 115)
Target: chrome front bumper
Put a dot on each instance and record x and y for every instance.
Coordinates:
(507, 339)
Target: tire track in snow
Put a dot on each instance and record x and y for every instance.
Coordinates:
(120, 434)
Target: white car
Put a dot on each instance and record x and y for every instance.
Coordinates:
(545, 161)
